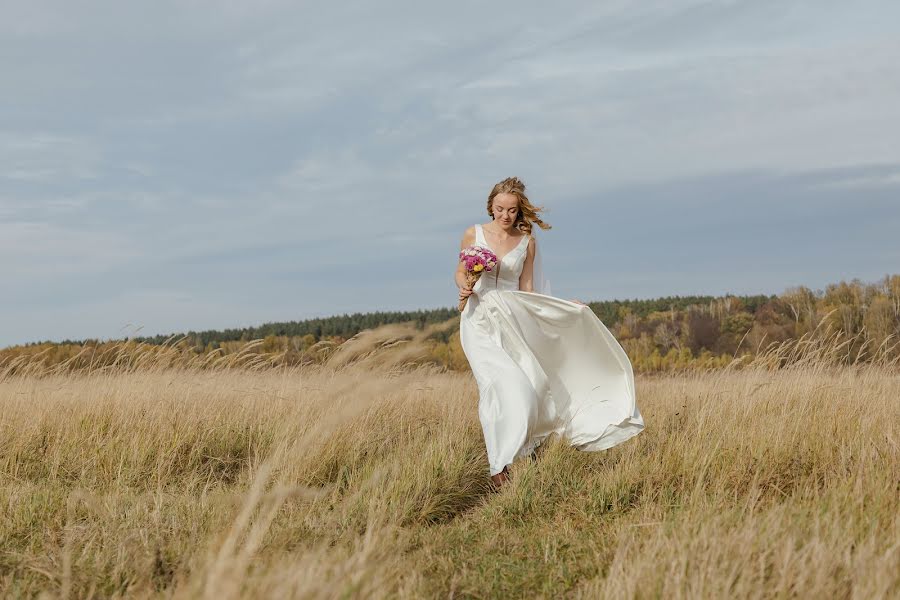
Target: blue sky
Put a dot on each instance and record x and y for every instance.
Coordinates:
(174, 166)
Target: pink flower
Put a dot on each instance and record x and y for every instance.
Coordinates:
(478, 255)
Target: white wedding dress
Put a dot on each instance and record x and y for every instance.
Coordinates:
(543, 365)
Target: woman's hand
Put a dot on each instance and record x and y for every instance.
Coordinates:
(465, 292)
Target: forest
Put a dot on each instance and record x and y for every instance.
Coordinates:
(664, 334)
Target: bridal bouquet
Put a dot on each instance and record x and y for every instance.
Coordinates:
(477, 260)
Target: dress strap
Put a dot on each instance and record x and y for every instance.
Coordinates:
(479, 235)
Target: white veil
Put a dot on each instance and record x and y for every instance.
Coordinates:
(541, 284)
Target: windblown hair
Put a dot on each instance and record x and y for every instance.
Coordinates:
(527, 215)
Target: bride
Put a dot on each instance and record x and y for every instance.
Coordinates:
(542, 364)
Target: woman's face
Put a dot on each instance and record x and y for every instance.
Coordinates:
(505, 209)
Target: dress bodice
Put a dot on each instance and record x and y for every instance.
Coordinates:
(505, 275)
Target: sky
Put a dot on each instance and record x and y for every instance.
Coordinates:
(176, 166)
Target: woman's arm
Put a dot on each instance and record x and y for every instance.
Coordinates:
(468, 239)
(526, 279)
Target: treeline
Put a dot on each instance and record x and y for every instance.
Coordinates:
(861, 320)
(285, 343)
(336, 328)
(662, 334)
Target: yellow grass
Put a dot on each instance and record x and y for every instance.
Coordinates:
(367, 478)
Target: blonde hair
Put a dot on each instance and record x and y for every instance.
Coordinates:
(527, 215)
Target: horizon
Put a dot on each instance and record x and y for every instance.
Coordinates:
(817, 291)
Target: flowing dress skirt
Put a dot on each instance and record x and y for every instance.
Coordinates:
(545, 365)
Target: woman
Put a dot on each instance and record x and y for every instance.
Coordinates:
(543, 365)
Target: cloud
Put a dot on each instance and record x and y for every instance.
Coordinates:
(877, 176)
(274, 160)
(43, 251)
(47, 157)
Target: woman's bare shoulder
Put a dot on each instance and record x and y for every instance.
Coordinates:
(468, 237)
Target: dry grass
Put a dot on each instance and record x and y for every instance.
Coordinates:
(368, 478)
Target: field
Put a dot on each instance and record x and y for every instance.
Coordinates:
(364, 479)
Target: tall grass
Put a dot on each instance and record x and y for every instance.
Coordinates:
(366, 476)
